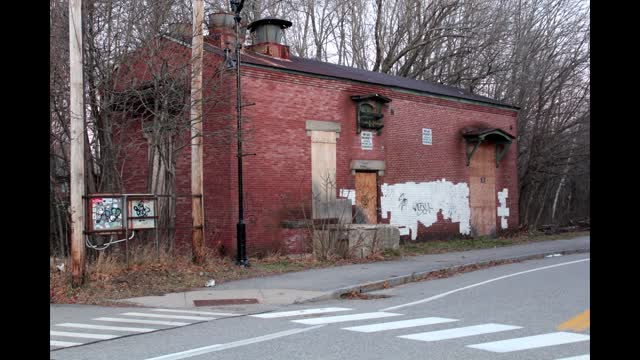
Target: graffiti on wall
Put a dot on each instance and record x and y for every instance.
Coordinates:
(106, 213)
(410, 203)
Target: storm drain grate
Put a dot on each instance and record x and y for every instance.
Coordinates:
(224, 302)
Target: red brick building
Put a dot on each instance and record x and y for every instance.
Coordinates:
(434, 160)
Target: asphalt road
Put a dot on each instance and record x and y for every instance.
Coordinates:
(536, 309)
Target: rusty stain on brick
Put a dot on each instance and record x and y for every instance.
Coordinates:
(224, 302)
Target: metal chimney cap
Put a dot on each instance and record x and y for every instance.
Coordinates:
(273, 21)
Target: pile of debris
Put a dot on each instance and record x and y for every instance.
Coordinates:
(572, 225)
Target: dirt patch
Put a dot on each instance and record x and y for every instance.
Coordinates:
(445, 273)
(356, 295)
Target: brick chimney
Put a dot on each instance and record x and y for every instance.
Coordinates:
(266, 35)
(222, 29)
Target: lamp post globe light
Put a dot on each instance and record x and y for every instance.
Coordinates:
(236, 6)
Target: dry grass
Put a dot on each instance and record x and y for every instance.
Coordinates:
(109, 278)
(439, 247)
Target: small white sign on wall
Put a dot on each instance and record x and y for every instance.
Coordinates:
(366, 140)
(426, 137)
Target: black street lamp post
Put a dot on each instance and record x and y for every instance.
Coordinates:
(236, 6)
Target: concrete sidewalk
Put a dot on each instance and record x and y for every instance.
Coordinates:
(327, 283)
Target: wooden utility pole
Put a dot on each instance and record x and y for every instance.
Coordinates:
(197, 210)
(76, 92)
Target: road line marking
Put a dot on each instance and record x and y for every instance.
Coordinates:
(82, 335)
(481, 283)
(577, 323)
(196, 312)
(104, 327)
(299, 312)
(579, 357)
(183, 317)
(63, 343)
(343, 318)
(137, 321)
(403, 324)
(218, 347)
(531, 342)
(459, 332)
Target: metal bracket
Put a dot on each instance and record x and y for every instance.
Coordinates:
(475, 147)
(501, 152)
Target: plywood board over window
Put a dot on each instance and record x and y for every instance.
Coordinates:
(323, 161)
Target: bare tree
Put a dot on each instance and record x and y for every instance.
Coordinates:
(116, 33)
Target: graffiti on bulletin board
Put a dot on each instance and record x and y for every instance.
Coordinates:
(141, 213)
(106, 213)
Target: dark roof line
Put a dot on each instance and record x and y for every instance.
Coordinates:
(314, 67)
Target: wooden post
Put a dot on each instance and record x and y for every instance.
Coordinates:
(77, 185)
(197, 210)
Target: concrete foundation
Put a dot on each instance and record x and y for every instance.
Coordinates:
(357, 240)
(335, 209)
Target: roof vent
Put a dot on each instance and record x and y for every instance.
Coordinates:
(222, 30)
(267, 36)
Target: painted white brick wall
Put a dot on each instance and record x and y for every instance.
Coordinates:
(348, 194)
(411, 202)
(503, 210)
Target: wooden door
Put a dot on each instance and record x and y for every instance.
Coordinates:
(482, 190)
(367, 195)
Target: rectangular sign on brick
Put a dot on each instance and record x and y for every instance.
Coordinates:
(426, 137)
(366, 140)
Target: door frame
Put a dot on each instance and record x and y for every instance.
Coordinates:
(377, 192)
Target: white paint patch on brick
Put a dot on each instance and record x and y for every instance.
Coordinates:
(503, 210)
(411, 202)
(348, 194)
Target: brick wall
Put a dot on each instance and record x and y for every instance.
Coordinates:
(277, 122)
(277, 179)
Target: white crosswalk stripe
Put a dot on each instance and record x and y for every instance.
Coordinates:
(343, 318)
(502, 346)
(129, 329)
(179, 317)
(105, 327)
(274, 315)
(138, 321)
(195, 312)
(403, 324)
(459, 332)
(531, 342)
(57, 343)
(579, 357)
(82, 335)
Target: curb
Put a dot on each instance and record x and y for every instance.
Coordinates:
(418, 276)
